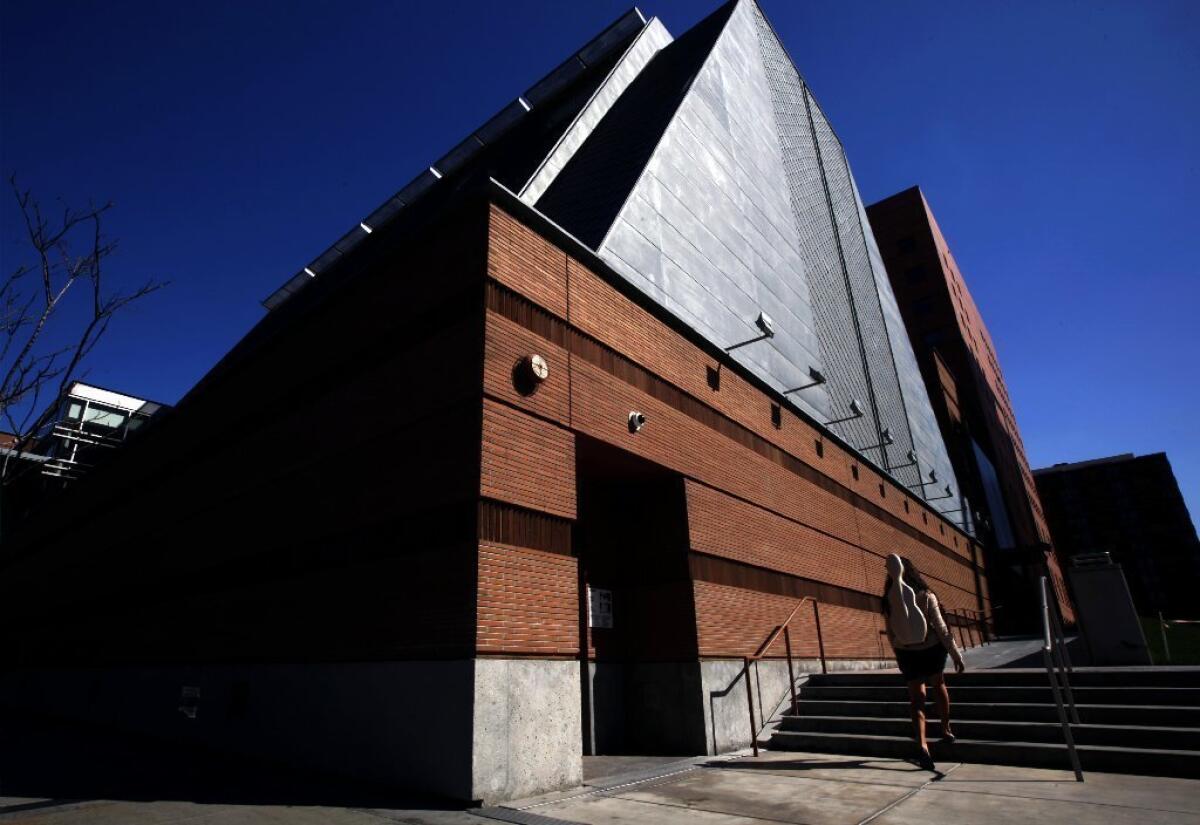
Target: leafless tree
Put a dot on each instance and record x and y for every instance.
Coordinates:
(54, 309)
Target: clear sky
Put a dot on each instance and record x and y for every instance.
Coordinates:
(1057, 143)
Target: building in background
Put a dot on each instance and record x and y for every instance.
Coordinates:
(1129, 507)
(90, 422)
(525, 463)
(85, 428)
(961, 369)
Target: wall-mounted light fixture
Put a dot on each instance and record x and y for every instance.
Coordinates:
(856, 411)
(817, 377)
(933, 479)
(529, 373)
(637, 420)
(949, 494)
(886, 434)
(765, 325)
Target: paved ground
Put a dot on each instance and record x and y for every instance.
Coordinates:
(794, 788)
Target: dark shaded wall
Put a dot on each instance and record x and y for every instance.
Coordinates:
(961, 369)
(286, 509)
(1132, 509)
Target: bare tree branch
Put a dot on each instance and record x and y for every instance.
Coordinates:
(35, 364)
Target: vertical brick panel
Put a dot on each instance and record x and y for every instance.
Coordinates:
(527, 462)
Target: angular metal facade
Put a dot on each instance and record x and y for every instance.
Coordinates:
(745, 205)
(703, 171)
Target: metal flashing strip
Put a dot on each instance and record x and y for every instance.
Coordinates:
(653, 37)
(492, 130)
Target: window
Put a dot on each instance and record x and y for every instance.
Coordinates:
(820, 448)
(777, 416)
(854, 471)
(103, 417)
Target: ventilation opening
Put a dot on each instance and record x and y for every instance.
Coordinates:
(854, 471)
(882, 491)
(820, 448)
(777, 416)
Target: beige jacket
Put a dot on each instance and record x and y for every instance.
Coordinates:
(940, 635)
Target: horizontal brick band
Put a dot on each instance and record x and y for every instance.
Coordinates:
(516, 308)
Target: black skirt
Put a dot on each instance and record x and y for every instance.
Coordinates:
(920, 665)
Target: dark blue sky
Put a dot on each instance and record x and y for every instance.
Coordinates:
(1056, 141)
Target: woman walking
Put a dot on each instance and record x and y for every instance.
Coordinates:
(919, 636)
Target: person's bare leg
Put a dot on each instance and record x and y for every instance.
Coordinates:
(941, 700)
(916, 702)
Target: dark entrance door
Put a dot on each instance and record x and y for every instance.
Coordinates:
(640, 671)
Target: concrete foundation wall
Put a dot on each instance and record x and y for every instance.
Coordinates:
(404, 724)
(727, 717)
(527, 729)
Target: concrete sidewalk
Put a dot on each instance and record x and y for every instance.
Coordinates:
(779, 787)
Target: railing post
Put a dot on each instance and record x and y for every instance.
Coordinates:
(750, 705)
(1162, 628)
(820, 638)
(787, 643)
(1047, 659)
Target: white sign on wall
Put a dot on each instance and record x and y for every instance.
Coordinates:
(600, 607)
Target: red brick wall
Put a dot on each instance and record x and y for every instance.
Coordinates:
(745, 503)
(528, 601)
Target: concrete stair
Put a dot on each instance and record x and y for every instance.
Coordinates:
(1133, 720)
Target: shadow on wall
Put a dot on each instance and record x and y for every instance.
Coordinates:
(40, 757)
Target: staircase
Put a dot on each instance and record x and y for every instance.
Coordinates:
(1133, 720)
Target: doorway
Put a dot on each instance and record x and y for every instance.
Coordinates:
(640, 672)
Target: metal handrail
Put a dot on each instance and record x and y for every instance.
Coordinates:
(979, 620)
(1052, 656)
(787, 643)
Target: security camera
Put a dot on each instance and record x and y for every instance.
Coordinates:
(887, 436)
(933, 476)
(912, 456)
(637, 420)
(855, 407)
(816, 375)
(765, 324)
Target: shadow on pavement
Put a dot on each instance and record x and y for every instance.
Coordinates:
(62, 761)
(818, 764)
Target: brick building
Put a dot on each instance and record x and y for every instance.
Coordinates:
(974, 412)
(1131, 508)
(615, 383)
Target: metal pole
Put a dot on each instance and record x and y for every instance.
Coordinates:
(750, 704)
(1056, 617)
(1062, 718)
(820, 638)
(1162, 628)
(787, 643)
(1049, 664)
